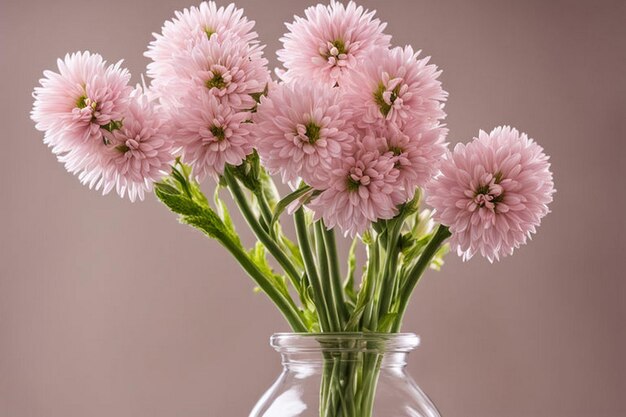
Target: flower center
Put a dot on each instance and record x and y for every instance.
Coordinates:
(218, 132)
(387, 96)
(85, 102)
(308, 133)
(220, 77)
(208, 32)
(129, 145)
(336, 52)
(489, 194)
(357, 177)
(216, 82)
(396, 151)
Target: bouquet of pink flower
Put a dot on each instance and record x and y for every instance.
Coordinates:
(351, 124)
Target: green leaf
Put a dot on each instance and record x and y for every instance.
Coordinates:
(209, 223)
(386, 322)
(112, 125)
(355, 317)
(257, 96)
(258, 255)
(184, 197)
(166, 188)
(223, 213)
(304, 192)
(292, 248)
(437, 261)
(248, 172)
(348, 285)
(178, 203)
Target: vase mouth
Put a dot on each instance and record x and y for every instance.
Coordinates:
(344, 342)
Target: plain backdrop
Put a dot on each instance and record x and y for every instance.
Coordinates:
(109, 308)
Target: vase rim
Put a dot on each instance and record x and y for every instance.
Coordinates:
(344, 341)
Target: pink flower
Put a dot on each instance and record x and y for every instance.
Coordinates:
(226, 68)
(492, 193)
(300, 130)
(140, 151)
(77, 108)
(330, 42)
(394, 87)
(415, 150)
(74, 105)
(188, 28)
(361, 190)
(211, 135)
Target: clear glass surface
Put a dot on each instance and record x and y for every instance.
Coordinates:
(344, 375)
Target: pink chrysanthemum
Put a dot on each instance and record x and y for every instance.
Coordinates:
(188, 28)
(393, 87)
(224, 67)
(330, 42)
(415, 150)
(73, 106)
(492, 193)
(361, 190)
(211, 135)
(300, 130)
(140, 151)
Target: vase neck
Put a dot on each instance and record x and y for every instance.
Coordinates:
(317, 349)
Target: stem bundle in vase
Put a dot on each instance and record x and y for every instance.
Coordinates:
(351, 125)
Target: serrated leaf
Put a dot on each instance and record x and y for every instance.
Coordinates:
(178, 203)
(209, 223)
(292, 248)
(258, 254)
(166, 188)
(224, 214)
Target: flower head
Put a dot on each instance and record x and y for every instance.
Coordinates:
(492, 193)
(210, 134)
(330, 42)
(360, 191)
(226, 68)
(395, 87)
(75, 106)
(300, 129)
(190, 27)
(140, 151)
(415, 150)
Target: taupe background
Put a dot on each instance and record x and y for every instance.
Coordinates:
(109, 308)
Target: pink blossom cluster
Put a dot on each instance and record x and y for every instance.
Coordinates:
(111, 135)
(207, 67)
(351, 116)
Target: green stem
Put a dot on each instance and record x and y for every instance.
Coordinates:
(284, 304)
(325, 280)
(309, 265)
(266, 211)
(417, 271)
(335, 273)
(370, 315)
(388, 280)
(259, 231)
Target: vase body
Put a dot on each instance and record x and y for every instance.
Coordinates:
(344, 375)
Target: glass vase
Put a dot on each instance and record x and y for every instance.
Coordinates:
(344, 375)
